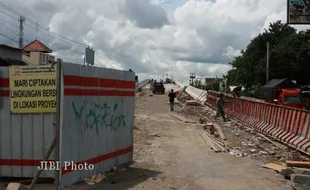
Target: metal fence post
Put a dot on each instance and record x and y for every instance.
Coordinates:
(58, 115)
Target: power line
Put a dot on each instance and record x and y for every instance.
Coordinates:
(9, 38)
(40, 26)
(67, 58)
(10, 30)
(8, 14)
(7, 22)
(24, 23)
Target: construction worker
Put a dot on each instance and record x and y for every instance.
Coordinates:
(220, 102)
(171, 96)
(236, 91)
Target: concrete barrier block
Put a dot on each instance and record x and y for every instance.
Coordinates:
(301, 179)
(303, 171)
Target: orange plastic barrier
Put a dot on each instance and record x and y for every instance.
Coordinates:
(288, 125)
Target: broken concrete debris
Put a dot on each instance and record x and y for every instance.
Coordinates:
(95, 179)
(301, 179)
(237, 152)
(192, 102)
(299, 187)
(253, 150)
(16, 186)
(155, 135)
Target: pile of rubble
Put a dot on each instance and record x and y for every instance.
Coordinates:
(244, 141)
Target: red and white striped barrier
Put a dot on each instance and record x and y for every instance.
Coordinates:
(288, 125)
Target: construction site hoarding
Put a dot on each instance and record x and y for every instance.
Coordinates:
(95, 123)
(32, 89)
(24, 138)
(97, 120)
(298, 12)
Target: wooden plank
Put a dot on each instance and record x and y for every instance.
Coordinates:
(213, 147)
(204, 139)
(222, 143)
(213, 138)
(219, 129)
(217, 143)
(275, 167)
(300, 164)
(220, 147)
(210, 142)
(217, 140)
(273, 142)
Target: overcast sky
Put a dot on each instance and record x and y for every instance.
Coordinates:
(149, 36)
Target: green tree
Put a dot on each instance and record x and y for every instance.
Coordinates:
(289, 57)
(214, 85)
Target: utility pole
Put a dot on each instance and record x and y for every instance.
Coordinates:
(267, 64)
(21, 31)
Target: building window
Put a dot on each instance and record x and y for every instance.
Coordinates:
(41, 58)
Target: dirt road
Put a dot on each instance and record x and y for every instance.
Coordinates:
(169, 154)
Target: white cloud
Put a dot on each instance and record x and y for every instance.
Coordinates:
(199, 36)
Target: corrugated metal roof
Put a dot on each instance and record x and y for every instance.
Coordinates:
(273, 83)
(37, 46)
(10, 47)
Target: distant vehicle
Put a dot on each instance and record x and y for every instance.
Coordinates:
(289, 97)
(283, 92)
(158, 87)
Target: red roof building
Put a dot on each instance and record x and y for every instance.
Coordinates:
(37, 46)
